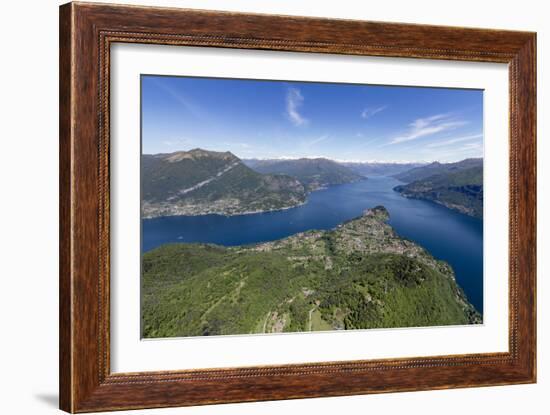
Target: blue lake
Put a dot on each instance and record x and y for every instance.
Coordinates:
(447, 235)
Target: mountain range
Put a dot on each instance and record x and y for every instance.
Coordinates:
(314, 173)
(199, 182)
(379, 169)
(437, 168)
(206, 182)
(457, 186)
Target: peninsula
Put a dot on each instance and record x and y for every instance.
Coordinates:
(359, 275)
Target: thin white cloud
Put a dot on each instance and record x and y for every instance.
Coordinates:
(188, 104)
(294, 100)
(372, 111)
(425, 122)
(318, 140)
(369, 141)
(422, 127)
(455, 140)
(471, 146)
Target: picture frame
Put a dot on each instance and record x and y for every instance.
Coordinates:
(87, 32)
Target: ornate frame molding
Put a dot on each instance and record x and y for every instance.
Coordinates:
(86, 33)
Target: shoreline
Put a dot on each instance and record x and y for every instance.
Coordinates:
(227, 215)
(454, 208)
(251, 212)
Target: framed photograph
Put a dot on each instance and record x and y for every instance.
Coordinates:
(260, 207)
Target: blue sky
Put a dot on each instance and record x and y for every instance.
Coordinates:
(281, 119)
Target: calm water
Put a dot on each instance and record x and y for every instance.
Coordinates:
(447, 235)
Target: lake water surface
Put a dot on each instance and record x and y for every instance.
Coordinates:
(447, 235)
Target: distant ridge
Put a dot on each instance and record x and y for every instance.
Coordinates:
(457, 186)
(314, 173)
(423, 172)
(380, 169)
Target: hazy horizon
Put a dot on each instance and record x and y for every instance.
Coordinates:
(314, 157)
(291, 120)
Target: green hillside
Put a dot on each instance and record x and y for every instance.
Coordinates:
(200, 182)
(314, 173)
(359, 275)
(458, 189)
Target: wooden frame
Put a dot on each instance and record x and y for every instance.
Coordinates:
(86, 33)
